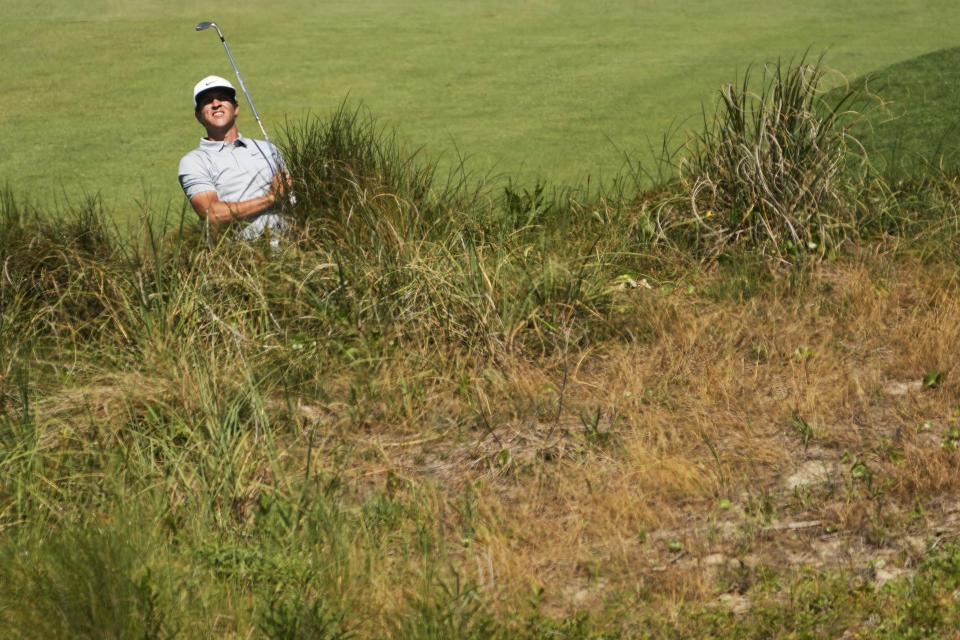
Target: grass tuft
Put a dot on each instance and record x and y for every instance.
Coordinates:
(80, 584)
(768, 170)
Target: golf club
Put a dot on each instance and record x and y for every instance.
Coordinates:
(206, 25)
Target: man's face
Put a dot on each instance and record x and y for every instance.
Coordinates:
(216, 109)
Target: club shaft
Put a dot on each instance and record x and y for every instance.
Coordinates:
(242, 85)
(206, 25)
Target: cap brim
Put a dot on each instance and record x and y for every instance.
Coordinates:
(230, 90)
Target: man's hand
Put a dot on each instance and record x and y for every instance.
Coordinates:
(281, 185)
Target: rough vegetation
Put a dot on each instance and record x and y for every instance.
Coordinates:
(724, 406)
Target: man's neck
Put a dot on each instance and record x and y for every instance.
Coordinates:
(228, 136)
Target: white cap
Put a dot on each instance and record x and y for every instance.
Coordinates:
(211, 82)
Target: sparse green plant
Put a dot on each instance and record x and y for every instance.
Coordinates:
(802, 426)
(932, 379)
(951, 438)
(594, 432)
(861, 472)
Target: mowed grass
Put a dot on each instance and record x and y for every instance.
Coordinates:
(913, 122)
(97, 94)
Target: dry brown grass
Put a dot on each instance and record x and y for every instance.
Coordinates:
(583, 472)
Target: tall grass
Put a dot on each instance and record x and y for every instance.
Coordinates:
(442, 411)
(81, 584)
(771, 167)
(193, 377)
(414, 257)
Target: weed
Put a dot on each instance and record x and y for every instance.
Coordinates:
(287, 617)
(932, 379)
(803, 428)
(596, 434)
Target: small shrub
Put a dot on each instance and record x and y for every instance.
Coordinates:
(288, 618)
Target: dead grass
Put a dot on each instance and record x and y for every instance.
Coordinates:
(663, 468)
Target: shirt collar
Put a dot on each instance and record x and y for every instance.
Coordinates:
(220, 145)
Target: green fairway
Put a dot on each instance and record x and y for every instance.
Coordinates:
(96, 95)
(917, 121)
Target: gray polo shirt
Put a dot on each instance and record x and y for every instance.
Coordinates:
(239, 171)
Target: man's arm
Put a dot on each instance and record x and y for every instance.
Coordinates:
(209, 205)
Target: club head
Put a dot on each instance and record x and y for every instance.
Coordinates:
(206, 25)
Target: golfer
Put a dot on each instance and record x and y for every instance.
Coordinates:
(231, 181)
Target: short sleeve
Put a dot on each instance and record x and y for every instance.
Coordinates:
(194, 180)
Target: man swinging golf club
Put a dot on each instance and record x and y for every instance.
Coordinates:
(232, 181)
